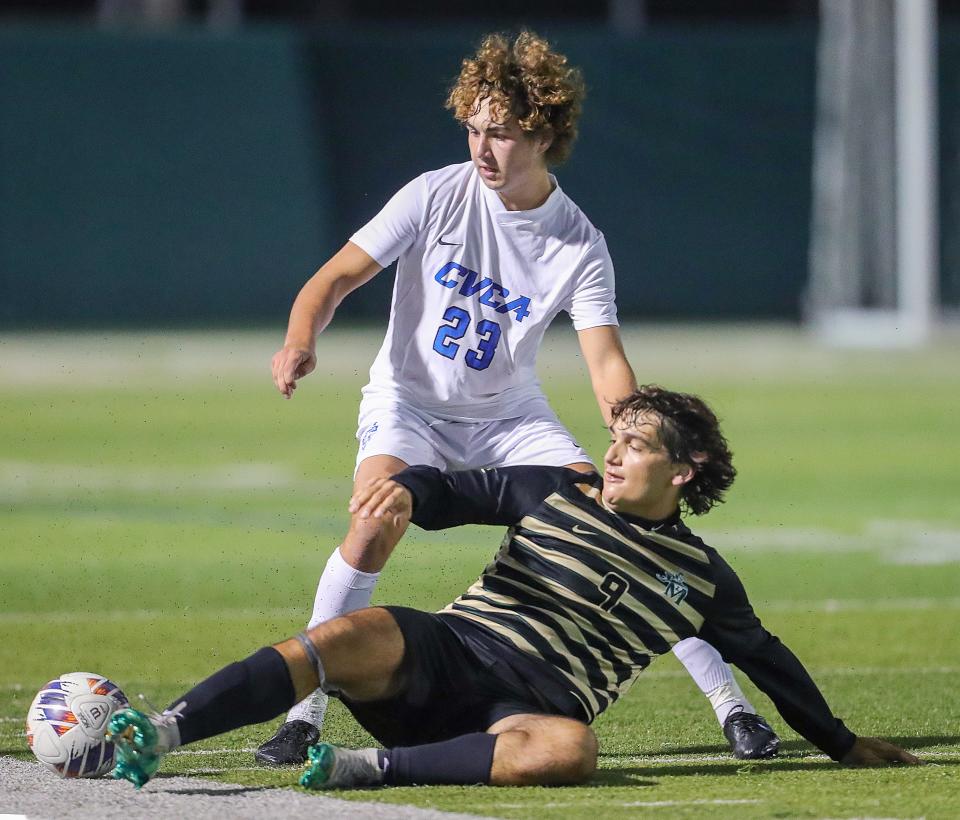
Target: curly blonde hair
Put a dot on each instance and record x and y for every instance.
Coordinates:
(526, 80)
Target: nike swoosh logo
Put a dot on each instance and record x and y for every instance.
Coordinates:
(442, 242)
(581, 531)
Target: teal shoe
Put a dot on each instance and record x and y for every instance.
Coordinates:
(333, 767)
(137, 745)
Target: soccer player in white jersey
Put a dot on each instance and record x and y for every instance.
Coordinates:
(489, 251)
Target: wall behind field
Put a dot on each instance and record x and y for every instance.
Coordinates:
(195, 177)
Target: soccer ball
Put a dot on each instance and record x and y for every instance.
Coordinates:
(67, 722)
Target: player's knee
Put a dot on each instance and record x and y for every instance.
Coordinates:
(579, 753)
(565, 754)
(370, 541)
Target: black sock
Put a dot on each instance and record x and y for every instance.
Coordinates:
(251, 691)
(465, 760)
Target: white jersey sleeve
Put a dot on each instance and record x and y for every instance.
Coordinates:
(395, 228)
(592, 301)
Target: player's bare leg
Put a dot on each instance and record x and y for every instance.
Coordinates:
(542, 750)
(346, 585)
(369, 543)
(359, 654)
(520, 750)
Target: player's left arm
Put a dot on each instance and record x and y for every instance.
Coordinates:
(435, 500)
(611, 376)
(735, 631)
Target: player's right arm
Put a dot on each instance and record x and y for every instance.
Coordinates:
(313, 309)
(372, 248)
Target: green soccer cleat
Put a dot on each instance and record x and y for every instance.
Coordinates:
(333, 767)
(140, 742)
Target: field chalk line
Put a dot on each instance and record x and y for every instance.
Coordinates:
(826, 605)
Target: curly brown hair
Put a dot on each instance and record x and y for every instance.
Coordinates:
(524, 79)
(690, 432)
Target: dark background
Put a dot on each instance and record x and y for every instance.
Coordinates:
(191, 175)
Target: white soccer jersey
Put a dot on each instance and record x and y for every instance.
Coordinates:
(476, 288)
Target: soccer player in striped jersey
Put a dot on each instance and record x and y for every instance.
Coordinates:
(596, 577)
(488, 252)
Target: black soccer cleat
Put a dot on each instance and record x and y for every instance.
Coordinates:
(288, 747)
(750, 736)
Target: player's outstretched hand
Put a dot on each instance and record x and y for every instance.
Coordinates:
(290, 364)
(383, 498)
(871, 751)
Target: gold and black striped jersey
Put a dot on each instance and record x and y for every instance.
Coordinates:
(590, 592)
(594, 596)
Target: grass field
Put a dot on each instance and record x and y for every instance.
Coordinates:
(164, 512)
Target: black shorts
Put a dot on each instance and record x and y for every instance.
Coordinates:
(447, 687)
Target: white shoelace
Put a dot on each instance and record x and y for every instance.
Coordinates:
(166, 723)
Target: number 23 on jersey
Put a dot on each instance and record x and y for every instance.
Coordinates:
(459, 321)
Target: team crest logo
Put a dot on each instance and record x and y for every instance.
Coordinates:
(674, 585)
(368, 434)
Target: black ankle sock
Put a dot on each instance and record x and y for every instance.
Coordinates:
(465, 760)
(251, 691)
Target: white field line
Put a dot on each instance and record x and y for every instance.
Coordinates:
(225, 769)
(827, 605)
(153, 614)
(128, 360)
(899, 542)
(836, 670)
(830, 605)
(203, 752)
(25, 480)
(650, 758)
(726, 758)
(656, 804)
(650, 804)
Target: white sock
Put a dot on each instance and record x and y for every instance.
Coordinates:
(342, 589)
(713, 676)
(168, 730)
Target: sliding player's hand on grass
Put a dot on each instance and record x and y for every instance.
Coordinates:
(383, 498)
(871, 751)
(290, 364)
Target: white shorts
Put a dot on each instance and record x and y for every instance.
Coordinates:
(415, 437)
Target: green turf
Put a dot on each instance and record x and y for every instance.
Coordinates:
(155, 528)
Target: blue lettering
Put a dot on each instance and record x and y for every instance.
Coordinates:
(460, 322)
(489, 333)
(472, 284)
(450, 266)
(519, 306)
(487, 297)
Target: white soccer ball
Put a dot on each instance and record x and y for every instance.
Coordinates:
(67, 722)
